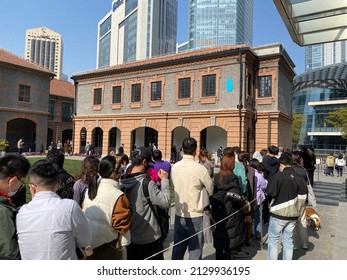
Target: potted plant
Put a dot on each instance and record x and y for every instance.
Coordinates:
(3, 145)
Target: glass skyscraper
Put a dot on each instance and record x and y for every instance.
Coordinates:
(315, 94)
(137, 29)
(325, 54)
(220, 22)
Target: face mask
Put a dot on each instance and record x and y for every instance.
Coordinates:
(12, 193)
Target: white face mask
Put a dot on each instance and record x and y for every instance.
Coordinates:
(12, 193)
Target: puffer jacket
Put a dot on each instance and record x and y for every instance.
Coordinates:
(226, 202)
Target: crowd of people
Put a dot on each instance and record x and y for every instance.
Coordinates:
(332, 163)
(115, 207)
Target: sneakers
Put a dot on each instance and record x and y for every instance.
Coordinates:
(241, 254)
(304, 246)
(295, 248)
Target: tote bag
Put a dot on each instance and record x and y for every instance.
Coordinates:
(311, 198)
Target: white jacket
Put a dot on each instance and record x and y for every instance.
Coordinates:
(340, 162)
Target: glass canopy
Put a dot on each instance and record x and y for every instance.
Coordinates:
(314, 21)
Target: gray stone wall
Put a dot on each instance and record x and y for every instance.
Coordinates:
(36, 110)
(284, 94)
(227, 100)
(9, 90)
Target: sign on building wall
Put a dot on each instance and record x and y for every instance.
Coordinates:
(229, 84)
(116, 4)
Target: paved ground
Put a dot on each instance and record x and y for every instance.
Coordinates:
(329, 243)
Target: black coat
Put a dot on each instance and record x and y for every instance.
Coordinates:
(227, 201)
(65, 189)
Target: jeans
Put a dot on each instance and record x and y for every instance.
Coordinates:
(310, 175)
(330, 170)
(339, 170)
(256, 221)
(183, 228)
(276, 226)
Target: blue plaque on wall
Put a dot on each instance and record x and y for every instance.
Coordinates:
(229, 84)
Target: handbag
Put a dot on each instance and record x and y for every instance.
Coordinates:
(311, 198)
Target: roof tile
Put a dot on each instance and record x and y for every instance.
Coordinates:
(13, 59)
(62, 88)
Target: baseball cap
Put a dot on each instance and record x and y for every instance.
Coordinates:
(144, 153)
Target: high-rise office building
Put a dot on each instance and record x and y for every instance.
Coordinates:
(45, 48)
(220, 22)
(325, 54)
(137, 29)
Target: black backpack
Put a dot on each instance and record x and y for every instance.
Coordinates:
(161, 215)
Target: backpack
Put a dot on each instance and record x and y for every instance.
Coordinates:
(161, 215)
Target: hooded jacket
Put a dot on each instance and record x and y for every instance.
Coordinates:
(271, 164)
(144, 226)
(330, 161)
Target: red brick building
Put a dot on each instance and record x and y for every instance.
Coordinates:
(223, 96)
(24, 95)
(34, 106)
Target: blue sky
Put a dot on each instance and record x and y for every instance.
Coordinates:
(76, 21)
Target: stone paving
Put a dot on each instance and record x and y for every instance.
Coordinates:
(329, 243)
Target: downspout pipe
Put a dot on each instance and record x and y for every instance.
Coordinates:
(74, 115)
(240, 105)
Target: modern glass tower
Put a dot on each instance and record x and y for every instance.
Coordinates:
(137, 29)
(220, 22)
(45, 48)
(325, 54)
(315, 94)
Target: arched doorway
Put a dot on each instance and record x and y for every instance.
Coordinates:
(67, 135)
(49, 137)
(83, 140)
(211, 138)
(21, 128)
(114, 136)
(143, 136)
(97, 135)
(177, 136)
